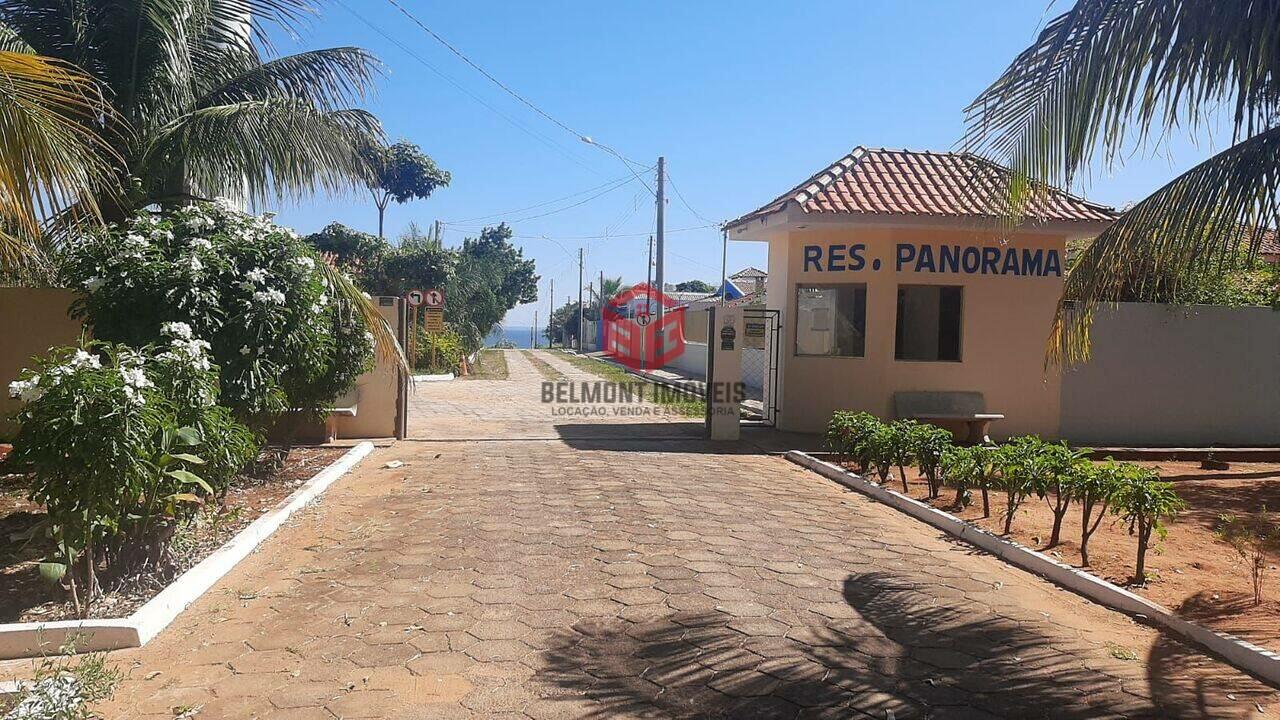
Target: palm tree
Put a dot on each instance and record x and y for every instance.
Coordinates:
(199, 112)
(609, 288)
(49, 156)
(1108, 75)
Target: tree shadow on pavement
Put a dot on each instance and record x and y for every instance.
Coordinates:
(903, 654)
(1187, 677)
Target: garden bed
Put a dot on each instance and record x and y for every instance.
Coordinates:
(1190, 571)
(25, 597)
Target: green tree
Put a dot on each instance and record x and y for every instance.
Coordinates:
(51, 156)
(357, 253)
(492, 276)
(198, 110)
(1096, 488)
(401, 172)
(695, 286)
(1110, 75)
(1145, 502)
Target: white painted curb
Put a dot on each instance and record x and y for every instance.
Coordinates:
(1240, 653)
(446, 377)
(21, 640)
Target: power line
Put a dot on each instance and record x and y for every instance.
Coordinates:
(589, 237)
(619, 181)
(548, 142)
(484, 72)
(684, 202)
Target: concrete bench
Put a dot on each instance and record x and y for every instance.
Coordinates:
(969, 408)
(344, 406)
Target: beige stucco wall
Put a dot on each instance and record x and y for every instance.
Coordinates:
(1005, 323)
(376, 393)
(1164, 375)
(32, 320)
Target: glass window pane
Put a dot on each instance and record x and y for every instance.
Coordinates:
(831, 320)
(928, 326)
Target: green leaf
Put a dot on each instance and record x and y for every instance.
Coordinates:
(188, 435)
(190, 478)
(52, 572)
(187, 457)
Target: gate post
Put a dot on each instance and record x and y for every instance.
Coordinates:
(725, 390)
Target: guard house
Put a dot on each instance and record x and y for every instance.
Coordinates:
(892, 277)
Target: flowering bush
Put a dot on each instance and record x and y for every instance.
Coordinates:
(251, 289)
(113, 437)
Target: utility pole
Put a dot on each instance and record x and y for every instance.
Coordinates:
(580, 314)
(724, 263)
(648, 296)
(551, 311)
(660, 344)
(533, 331)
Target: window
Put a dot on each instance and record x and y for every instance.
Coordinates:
(831, 320)
(928, 323)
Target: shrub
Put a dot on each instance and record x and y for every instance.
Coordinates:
(1054, 478)
(879, 448)
(928, 444)
(102, 430)
(256, 292)
(848, 434)
(1095, 489)
(1253, 539)
(439, 352)
(1145, 502)
(1019, 467)
(63, 689)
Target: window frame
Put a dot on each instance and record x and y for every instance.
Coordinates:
(897, 321)
(795, 338)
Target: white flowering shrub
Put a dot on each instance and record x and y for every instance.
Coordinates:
(249, 288)
(120, 443)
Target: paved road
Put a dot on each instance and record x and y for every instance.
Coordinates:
(573, 567)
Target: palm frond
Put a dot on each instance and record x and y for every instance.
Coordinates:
(386, 346)
(49, 156)
(329, 79)
(275, 148)
(1110, 72)
(1194, 225)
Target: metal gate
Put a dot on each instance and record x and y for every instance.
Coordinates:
(761, 357)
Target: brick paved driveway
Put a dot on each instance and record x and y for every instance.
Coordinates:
(573, 568)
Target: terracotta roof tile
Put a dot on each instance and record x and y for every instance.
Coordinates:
(905, 182)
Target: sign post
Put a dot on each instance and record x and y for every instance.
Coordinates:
(724, 376)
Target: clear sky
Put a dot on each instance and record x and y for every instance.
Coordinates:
(745, 99)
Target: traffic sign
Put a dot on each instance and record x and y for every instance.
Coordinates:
(434, 298)
(414, 297)
(433, 319)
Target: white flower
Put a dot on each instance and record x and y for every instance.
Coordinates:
(159, 234)
(83, 359)
(367, 296)
(270, 295)
(257, 275)
(226, 206)
(368, 336)
(194, 263)
(135, 241)
(244, 350)
(177, 330)
(324, 299)
(93, 283)
(200, 243)
(135, 377)
(26, 390)
(305, 263)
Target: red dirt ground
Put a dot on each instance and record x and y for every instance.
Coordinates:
(24, 597)
(1190, 571)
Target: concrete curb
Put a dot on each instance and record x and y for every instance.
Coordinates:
(1242, 654)
(446, 377)
(22, 640)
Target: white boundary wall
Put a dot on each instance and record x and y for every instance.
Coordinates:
(1162, 375)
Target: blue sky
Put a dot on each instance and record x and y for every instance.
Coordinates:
(745, 99)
